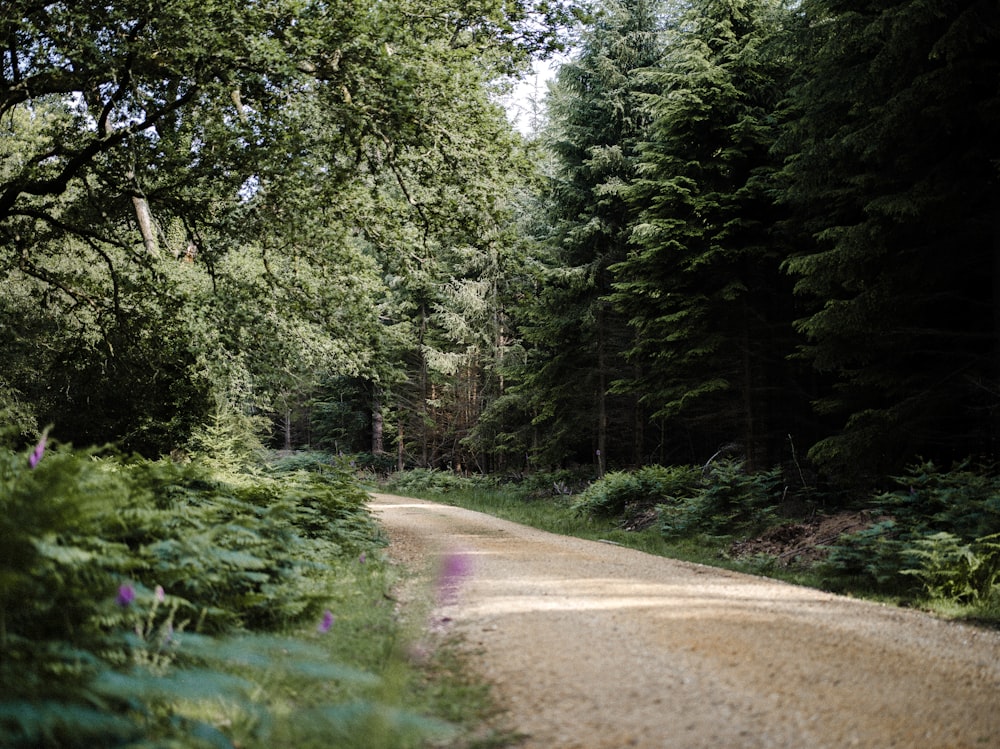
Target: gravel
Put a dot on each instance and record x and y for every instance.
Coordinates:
(595, 646)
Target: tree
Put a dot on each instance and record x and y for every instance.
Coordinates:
(199, 167)
(701, 285)
(578, 339)
(891, 174)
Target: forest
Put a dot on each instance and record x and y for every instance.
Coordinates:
(763, 228)
(760, 236)
(746, 226)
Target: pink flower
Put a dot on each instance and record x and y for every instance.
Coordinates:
(454, 568)
(160, 595)
(126, 594)
(326, 622)
(39, 450)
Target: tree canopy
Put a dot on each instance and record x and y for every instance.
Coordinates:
(744, 225)
(204, 202)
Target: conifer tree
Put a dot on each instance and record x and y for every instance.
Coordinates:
(892, 176)
(701, 284)
(596, 123)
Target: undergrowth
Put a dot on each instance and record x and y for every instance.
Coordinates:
(937, 540)
(213, 602)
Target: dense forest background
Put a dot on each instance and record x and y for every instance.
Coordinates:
(763, 228)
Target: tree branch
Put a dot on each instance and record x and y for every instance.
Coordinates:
(57, 185)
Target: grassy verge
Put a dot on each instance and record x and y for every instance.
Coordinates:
(207, 604)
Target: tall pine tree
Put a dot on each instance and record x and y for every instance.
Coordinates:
(892, 173)
(596, 124)
(701, 284)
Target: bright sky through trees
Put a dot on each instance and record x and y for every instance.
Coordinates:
(526, 104)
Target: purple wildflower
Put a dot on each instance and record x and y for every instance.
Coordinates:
(39, 450)
(363, 558)
(126, 594)
(454, 568)
(160, 594)
(326, 622)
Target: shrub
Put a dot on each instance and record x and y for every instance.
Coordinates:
(951, 570)
(544, 484)
(433, 481)
(729, 501)
(649, 486)
(114, 572)
(941, 538)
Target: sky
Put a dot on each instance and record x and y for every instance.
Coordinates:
(526, 103)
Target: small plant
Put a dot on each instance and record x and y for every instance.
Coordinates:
(870, 558)
(647, 487)
(951, 570)
(938, 541)
(433, 481)
(730, 501)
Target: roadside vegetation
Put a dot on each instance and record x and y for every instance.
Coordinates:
(931, 540)
(230, 598)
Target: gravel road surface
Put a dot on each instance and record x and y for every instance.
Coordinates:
(595, 646)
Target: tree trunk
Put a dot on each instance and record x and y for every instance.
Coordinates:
(996, 322)
(378, 440)
(145, 221)
(602, 394)
(400, 463)
(749, 408)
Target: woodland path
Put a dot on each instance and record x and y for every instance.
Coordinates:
(595, 646)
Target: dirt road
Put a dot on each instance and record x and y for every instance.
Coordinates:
(594, 646)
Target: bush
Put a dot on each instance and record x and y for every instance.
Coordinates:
(951, 570)
(140, 600)
(433, 481)
(545, 484)
(649, 486)
(728, 502)
(940, 538)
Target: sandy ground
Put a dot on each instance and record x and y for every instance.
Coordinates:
(594, 646)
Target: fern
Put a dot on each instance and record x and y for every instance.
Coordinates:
(951, 570)
(649, 486)
(216, 563)
(433, 481)
(730, 501)
(940, 542)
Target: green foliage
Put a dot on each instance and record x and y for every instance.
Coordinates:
(433, 481)
(540, 484)
(963, 500)
(938, 538)
(951, 570)
(577, 339)
(892, 111)
(648, 486)
(701, 283)
(868, 558)
(150, 602)
(730, 500)
(229, 441)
